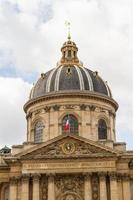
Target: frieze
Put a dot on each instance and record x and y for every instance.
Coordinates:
(69, 165)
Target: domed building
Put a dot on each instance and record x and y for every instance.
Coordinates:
(71, 152)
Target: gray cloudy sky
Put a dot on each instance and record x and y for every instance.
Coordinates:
(31, 35)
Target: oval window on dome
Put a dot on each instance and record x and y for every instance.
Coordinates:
(70, 124)
(102, 130)
(38, 132)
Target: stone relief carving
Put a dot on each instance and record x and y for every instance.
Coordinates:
(69, 106)
(47, 108)
(92, 107)
(95, 187)
(67, 147)
(83, 107)
(131, 164)
(56, 108)
(44, 188)
(69, 187)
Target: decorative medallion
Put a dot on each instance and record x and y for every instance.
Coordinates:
(68, 147)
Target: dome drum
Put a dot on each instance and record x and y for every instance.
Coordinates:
(70, 89)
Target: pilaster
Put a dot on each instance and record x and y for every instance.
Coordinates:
(87, 187)
(36, 181)
(51, 187)
(13, 188)
(25, 187)
(103, 188)
(126, 187)
(113, 186)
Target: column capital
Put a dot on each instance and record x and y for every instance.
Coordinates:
(102, 175)
(125, 177)
(13, 180)
(119, 177)
(25, 177)
(112, 175)
(51, 174)
(87, 174)
(36, 176)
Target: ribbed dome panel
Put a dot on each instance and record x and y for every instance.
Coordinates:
(70, 78)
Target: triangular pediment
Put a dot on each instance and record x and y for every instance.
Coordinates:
(67, 146)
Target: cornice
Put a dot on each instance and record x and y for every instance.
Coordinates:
(72, 94)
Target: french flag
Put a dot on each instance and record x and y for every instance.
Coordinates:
(67, 126)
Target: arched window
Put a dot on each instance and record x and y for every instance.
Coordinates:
(102, 129)
(70, 124)
(38, 132)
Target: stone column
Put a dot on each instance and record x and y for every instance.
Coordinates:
(51, 189)
(13, 189)
(87, 187)
(19, 188)
(103, 188)
(113, 186)
(36, 179)
(119, 185)
(25, 187)
(126, 187)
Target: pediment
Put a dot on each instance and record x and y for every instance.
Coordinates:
(68, 147)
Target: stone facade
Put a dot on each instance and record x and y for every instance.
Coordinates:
(68, 166)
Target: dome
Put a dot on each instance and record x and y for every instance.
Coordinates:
(70, 78)
(69, 75)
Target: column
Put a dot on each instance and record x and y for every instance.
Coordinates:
(126, 187)
(119, 183)
(87, 187)
(36, 181)
(51, 189)
(25, 187)
(113, 186)
(19, 188)
(103, 188)
(13, 189)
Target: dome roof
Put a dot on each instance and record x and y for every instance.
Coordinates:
(69, 78)
(69, 75)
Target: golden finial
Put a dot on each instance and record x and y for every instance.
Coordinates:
(68, 26)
